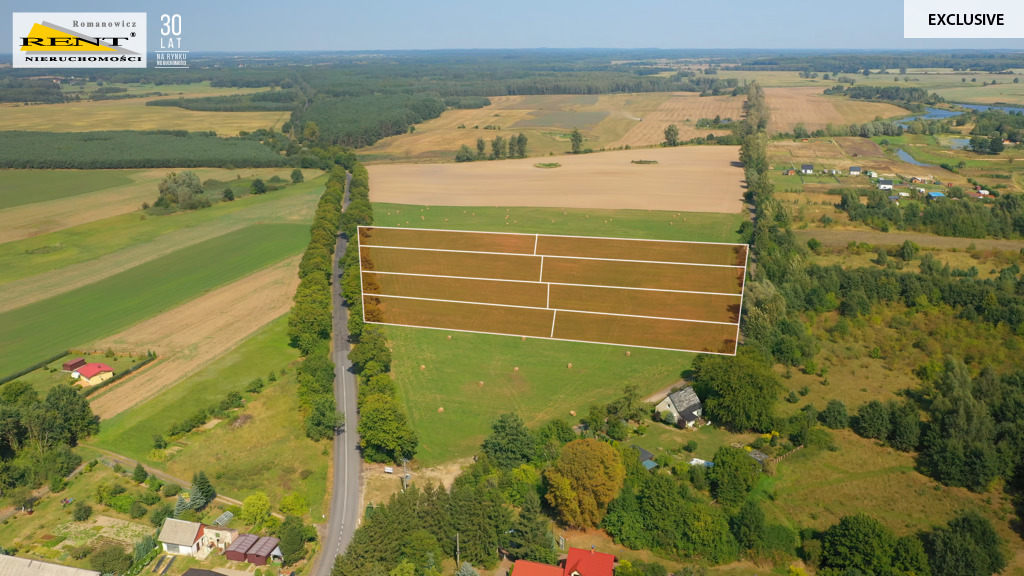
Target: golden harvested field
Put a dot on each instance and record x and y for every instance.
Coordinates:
(132, 114)
(678, 305)
(808, 106)
(461, 264)
(533, 294)
(682, 109)
(653, 275)
(689, 178)
(633, 331)
(193, 334)
(38, 218)
(545, 120)
(466, 317)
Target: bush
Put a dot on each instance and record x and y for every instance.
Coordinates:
(834, 415)
(690, 446)
(171, 490)
(110, 559)
(137, 510)
(150, 498)
(256, 386)
(79, 552)
(81, 513)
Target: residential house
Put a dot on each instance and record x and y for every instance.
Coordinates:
(72, 365)
(588, 563)
(854, 170)
(807, 169)
(885, 184)
(527, 568)
(181, 537)
(200, 572)
(14, 566)
(93, 373)
(682, 406)
(790, 172)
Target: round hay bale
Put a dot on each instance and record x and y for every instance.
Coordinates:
(440, 410)
(480, 384)
(522, 338)
(628, 353)
(515, 369)
(422, 367)
(449, 336)
(572, 413)
(570, 365)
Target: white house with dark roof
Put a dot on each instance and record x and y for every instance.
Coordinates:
(807, 169)
(854, 170)
(682, 406)
(885, 184)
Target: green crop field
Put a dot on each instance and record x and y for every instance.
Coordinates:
(18, 187)
(561, 119)
(274, 465)
(116, 302)
(544, 387)
(129, 232)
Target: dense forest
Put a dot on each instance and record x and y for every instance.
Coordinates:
(857, 62)
(273, 101)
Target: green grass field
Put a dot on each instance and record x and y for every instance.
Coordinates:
(24, 258)
(544, 387)
(18, 187)
(699, 226)
(116, 302)
(270, 453)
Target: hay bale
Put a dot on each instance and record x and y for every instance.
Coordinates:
(570, 365)
(522, 338)
(515, 369)
(449, 336)
(572, 413)
(628, 353)
(480, 384)
(440, 410)
(422, 367)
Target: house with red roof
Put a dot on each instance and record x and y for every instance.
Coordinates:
(580, 562)
(93, 373)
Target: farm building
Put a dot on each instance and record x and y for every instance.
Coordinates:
(790, 172)
(181, 537)
(885, 184)
(218, 537)
(236, 551)
(854, 170)
(14, 566)
(682, 406)
(807, 169)
(935, 195)
(872, 174)
(264, 550)
(895, 199)
(72, 365)
(646, 458)
(93, 373)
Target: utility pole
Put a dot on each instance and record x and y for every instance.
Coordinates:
(458, 561)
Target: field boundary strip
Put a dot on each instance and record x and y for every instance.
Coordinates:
(396, 290)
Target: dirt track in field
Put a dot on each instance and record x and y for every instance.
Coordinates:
(808, 106)
(682, 109)
(692, 179)
(190, 336)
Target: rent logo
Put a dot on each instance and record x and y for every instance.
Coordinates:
(79, 40)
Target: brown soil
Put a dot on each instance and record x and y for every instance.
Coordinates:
(190, 336)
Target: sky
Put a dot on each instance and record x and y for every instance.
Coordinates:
(266, 25)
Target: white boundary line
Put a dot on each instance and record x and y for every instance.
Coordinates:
(541, 278)
(549, 256)
(555, 309)
(558, 339)
(556, 235)
(547, 304)
(536, 239)
(553, 318)
(737, 295)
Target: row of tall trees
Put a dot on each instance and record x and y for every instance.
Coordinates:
(513, 147)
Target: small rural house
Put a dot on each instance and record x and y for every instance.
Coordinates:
(181, 537)
(807, 169)
(580, 562)
(93, 373)
(885, 184)
(683, 406)
(790, 172)
(72, 365)
(872, 174)
(854, 170)
(895, 199)
(14, 566)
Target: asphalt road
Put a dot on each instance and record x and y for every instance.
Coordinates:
(343, 511)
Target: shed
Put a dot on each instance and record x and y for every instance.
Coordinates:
(854, 170)
(237, 550)
(14, 566)
(71, 365)
(807, 168)
(264, 550)
(790, 172)
(649, 465)
(935, 195)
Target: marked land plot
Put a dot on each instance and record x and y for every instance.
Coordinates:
(655, 294)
